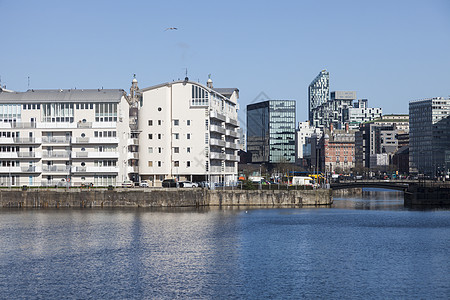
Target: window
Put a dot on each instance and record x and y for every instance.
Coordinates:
(176, 163)
(176, 136)
(176, 122)
(159, 149)
(159, 108)
(150, 164)
(159, 136)
(188, 122)
(188, 164)
(188, 136)
(150, 136)
(159, 122)
(188, 149)
(159, 163)
(150, 149)
(176, 150)
(150, 122)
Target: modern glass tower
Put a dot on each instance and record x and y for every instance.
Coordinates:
(318, 92)
(271, 131)
(429, 137)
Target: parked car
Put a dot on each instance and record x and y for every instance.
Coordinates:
(144, 184)
(168, 183)
(127, 184)
(188, 184)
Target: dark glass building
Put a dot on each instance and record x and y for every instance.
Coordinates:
(271, 131)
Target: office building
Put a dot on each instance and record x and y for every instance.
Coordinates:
(271, 131)
(304, 131)
(334, 111)
(361, 113)
(429, 137)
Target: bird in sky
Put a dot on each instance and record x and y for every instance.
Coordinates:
(171, 28)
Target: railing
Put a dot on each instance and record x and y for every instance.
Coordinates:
(232, 122)
(86, 154)
(55, 140)
(56, 154)
(29, 155)
(95, 169)
(232, 133)
(84, 125)
(216, 169)
(56, 169)
(216, 128)
(133, 155)
(215, 155)
(217, 115)
(216, 142)
(81, 140)
(32, 169)
(133, 141)
(232, 157)
(231, 145)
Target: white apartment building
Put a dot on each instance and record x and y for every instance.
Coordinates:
(360, 113)
(63, 137)
(188, 131)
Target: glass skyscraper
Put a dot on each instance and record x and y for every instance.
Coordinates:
(318, 92)
(271, 131)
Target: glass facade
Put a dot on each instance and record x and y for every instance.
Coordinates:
(318, 92)
(271, 131)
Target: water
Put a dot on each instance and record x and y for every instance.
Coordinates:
(360, 248)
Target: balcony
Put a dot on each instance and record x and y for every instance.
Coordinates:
(10, 170)
(232, 157)
(230, 170)
(133, 155)
(24, 125)
(215, 155)
(133, 169)
(216, 169)
(231, 145)
(84, 124)
(56, 154)
(232, 122)
(93, 169)
(55, 169)
(29, 154)
(32, 169)
(215, 128)
(217, 142)
(232, 133)
(56, 140)
(86, 154)
(133, 141)
(216, 115)
(95, 140)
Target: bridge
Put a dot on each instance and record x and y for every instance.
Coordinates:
(399, 185)
(416, 192)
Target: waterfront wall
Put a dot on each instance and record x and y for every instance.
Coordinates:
(417, 195)
(161, 198)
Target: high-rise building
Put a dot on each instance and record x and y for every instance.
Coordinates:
(271, 131)
(318, 93)
(334, 111)
(429, 136)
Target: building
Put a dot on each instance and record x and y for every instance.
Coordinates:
(334, 111)
(304, 131)
(429, 136)
(318, 93)
(188, 131)
(361, 113)
(64, 137)
(271, 131)
(337, 151)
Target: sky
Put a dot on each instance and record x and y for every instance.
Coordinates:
(389, 52)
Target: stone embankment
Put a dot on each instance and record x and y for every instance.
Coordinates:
(161, 198)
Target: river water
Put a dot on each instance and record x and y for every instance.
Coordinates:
(361, 247)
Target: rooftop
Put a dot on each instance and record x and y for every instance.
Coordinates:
(67, 96)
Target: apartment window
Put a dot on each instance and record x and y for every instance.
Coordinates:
(150, 136)
(188, 164)
(159, 136)
(206, 138)
(150, 149)
(159, 149)
(159, 122)
(188, 136)
(176, 122)
(176, 150)
(176, 136)
(176, 163)
(188, 149)
(150, 122)
(150, 164)
(206, 124)
(188, 122)
(159, 163)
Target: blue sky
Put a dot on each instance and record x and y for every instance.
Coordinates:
(390, 52)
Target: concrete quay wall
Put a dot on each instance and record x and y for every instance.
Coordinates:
(160, 198)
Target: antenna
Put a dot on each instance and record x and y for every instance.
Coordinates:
(28, 82)
(186, 72)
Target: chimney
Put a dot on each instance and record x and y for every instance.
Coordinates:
(346, 127)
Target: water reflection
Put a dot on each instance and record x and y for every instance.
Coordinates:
(371, 199)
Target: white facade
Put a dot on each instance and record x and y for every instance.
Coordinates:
(360, 113)
(188, 131)
(305, 130)
(63, 137)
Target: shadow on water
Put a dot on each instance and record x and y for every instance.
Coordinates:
(370, 199)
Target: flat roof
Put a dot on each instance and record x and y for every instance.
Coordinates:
(64, 96)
